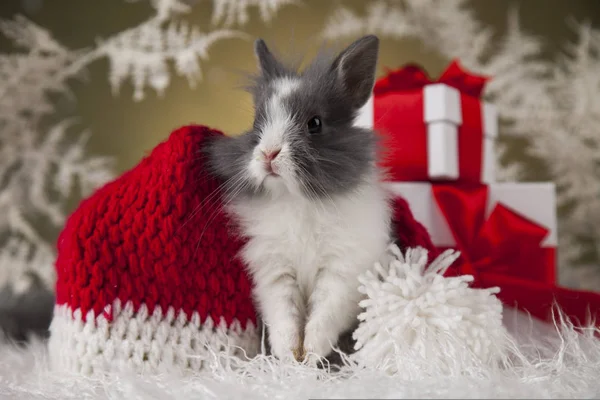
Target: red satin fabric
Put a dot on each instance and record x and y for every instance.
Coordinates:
(505, 250)
(399, 117)
(412, 76)
(505, 242)
(470, 140)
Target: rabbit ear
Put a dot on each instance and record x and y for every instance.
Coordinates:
(268, 64)
(355, 69)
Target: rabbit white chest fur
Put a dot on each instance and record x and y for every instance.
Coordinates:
(312, 252)
(305, 189)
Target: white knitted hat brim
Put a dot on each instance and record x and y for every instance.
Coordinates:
(141, 341)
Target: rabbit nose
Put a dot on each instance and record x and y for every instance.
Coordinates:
(271, 155)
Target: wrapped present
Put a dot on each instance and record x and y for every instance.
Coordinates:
(507, 236)
(433, 130)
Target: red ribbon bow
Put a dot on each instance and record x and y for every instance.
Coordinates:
(412, 77)
(505, 250)
(505, 243)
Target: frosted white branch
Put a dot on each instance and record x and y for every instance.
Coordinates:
(142, 54)
(236, 12)
(37, 169)
(165, 9)
(40, 170)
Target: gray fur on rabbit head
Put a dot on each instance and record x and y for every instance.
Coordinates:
(307, 119)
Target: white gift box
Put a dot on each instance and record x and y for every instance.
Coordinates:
(535, 201)
(443, 115)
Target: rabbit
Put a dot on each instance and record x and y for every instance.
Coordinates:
(304, 187)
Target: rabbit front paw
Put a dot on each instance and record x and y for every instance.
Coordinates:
(286, 343)
(317, 343)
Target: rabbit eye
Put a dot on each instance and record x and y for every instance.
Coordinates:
(315, 125)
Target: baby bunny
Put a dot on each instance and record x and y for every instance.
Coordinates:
(305, 189)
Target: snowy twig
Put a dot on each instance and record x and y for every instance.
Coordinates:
(39, 169)
(232, 12)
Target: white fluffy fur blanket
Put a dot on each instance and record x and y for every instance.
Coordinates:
(550, 362)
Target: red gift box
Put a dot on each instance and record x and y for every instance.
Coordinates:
(506, 234)
(438, 137)
(433, 130)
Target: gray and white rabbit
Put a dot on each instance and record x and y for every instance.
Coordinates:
(305, 189)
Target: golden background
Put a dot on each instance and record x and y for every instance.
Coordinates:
(127, 129)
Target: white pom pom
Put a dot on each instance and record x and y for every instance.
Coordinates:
(414, 317)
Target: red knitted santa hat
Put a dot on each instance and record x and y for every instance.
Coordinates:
(147, 273)
(146, 269)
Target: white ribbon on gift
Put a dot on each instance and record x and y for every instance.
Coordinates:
(443, 116)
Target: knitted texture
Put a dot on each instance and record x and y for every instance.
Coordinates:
(147, 270)
(156, 243)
